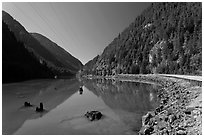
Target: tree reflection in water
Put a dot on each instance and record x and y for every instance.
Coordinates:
(130, 100)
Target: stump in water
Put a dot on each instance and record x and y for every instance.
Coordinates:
(40, 109)
(27, 104)
(80, 90)
(41, 105)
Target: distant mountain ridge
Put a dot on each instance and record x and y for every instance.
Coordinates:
(47, 53)
(165, 38)
(60, 54)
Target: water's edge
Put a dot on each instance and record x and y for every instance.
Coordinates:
(175, 96)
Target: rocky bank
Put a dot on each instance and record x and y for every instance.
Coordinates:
(180, 110)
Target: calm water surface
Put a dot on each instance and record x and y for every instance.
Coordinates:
(121, 103)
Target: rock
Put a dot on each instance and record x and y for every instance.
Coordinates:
(161, 125)
(146, 118)
(170, 111)
(166, 119)
(180, 128)
(165, 132)
(199, 106)
(177, 97)
(159, 109)
(164, 101)
(93, 115)
(185, 124)
(172, 118)
(157, 118)
(152, 122)
(197, 112)
(178, 116)
(149, 130)
(146, 130)
(181, 132)
(187, 112)
(160, 96)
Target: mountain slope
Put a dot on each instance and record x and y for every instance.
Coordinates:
(39, 50)
(165, 38)
(17, 62)
(59, 53)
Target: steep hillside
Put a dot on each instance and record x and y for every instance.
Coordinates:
(40, 51)
(17, 62)
(59, 53)
(165, 38)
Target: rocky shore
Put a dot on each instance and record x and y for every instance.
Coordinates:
(180, 110)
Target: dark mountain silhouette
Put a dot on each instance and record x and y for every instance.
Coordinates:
(17, 62)
(165, 38)
(16, 40)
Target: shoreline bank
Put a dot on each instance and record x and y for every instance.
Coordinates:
(180, 110)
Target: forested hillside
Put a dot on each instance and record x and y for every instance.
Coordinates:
(17, 63)
(70, 62)
(165, 38)
(59, 61)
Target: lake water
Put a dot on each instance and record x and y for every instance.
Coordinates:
(122, 103)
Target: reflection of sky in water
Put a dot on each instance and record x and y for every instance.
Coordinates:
(121, 109)
(67, 118)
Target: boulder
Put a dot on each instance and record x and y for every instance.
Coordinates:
(162, 125)
(93, 115)
(146, 118)
(172, 118)
(181, 132)
(146, 130)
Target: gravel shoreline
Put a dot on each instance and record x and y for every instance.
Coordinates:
(180, 110)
